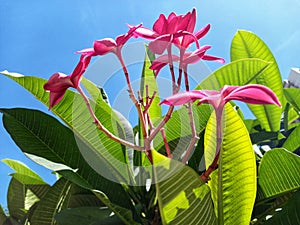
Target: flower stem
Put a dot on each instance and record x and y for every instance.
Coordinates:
(132, 96)
(104, 129)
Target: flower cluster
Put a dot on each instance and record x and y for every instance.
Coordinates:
(173, 30)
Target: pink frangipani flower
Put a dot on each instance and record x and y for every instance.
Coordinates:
(188, 58)
(251, 93)
(177, 29)
(58, 83)
(106, 45)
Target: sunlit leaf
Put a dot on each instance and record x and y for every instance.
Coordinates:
(279, 172)
(293, 97)
(233, 185)
(183, 198)
(246, 44)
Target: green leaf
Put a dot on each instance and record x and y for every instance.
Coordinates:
(42, 135)
(289, 214)
(293, 97)
(236, 169)
(240, 72)
(87, 216)
(73, 111)
(183, 198)
(245, 44)
(23, 174)
(16, 199)
(53, 202)
(279, 172)
(292, 143)
(148, 79)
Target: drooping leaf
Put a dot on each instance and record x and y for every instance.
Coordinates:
(293, 97)
(183, 198)
(245, 44)
(279, 172)
(236, 169)
(73, 112)
(44, 136)
(86, 216)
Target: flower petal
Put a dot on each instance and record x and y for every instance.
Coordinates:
(80, 69)
(161, 61)
(122, 39)
(160, 25)
(160, 44)
(182, 98)
(55, 98)
(195, 56)
(253, 94)
(58, 82)
(104, 46)
(87, 52)
(144, 33)
(213, 58)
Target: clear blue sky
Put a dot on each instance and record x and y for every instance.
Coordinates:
(39, 37)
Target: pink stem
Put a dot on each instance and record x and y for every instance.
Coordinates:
(219, 133)
(103, 129)
(169, 154)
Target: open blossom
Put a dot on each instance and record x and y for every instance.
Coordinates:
(188, 58)
(107, 45)
(251, 93)
(177, 29)
(58, 83)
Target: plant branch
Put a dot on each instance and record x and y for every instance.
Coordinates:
(104, 129)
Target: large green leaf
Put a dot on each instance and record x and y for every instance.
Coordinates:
(86, 216)
(279, 172)
(293, 97)
(289, 214)
(183, 198)
(42, 135)
(53, 202)
(245, 44)
(233, 185)
(23, 174)
(72, 110)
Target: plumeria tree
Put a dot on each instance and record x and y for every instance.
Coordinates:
(201, 162)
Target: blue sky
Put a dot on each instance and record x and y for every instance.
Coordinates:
(40, 37)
